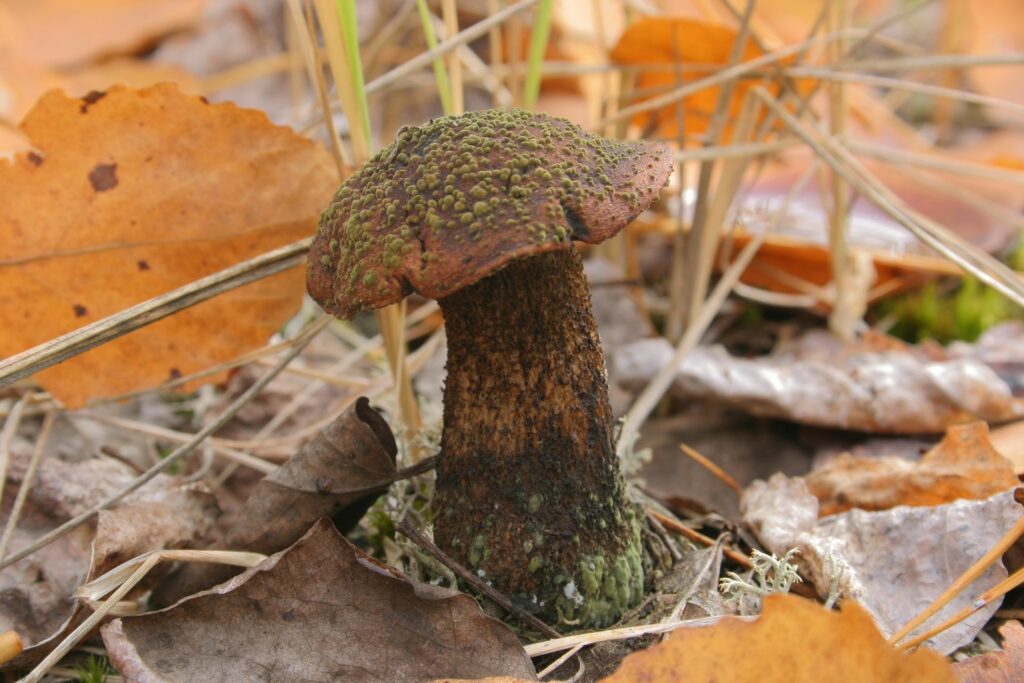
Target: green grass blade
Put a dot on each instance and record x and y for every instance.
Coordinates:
(535, 57)
(350, 31)
(444, 86)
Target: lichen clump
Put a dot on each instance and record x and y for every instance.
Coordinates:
(603, 589)
(453, 200)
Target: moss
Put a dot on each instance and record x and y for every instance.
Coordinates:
(478, 550)
(534, 502)
(603, 588)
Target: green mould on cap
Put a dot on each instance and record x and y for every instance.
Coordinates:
(456, 199)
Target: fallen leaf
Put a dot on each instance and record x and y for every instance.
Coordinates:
(663, 40)
(37, 590)
(819, 380)
(319, 611)
(992, 28)
(1009, 440)
(22, 83)
(131, 193)
(858, 550)
(1003, 666)
(775, 21)
(338, 475)
(66, 32)
(963, 465)
(793, 641)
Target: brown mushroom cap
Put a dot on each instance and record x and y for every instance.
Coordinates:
(453, 201)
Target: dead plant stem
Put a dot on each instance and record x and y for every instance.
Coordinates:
(132, 318)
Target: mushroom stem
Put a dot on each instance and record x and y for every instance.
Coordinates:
(529, 492)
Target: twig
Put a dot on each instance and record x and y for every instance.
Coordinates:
(427, 545)
(659, 530)
(27, 480)
(692, 268)
(696, 536)
(553, 666)
(11, 425)
(993, 593)
(831, 74)
(132, 318)
(711, 467)
(969, 257)
(470, 34)
(424, 465)
(564, 643)
(714, 558)
(935, 162)
(656, 388)
(179, 453)
(99, 587)
(89, 624)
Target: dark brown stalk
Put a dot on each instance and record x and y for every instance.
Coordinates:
(529, 492)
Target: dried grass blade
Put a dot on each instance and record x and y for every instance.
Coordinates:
(84, 338)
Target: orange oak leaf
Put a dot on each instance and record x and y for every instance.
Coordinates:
(963, 465)
(131, 193)
(663, 40)
(793, 641)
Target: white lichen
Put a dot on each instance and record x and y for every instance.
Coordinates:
(770, 574)
(572, 593)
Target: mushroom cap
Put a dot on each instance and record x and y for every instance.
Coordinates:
(454, 200)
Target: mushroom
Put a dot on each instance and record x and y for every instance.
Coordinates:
(480, 211)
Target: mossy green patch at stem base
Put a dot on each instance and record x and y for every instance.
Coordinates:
(603, 588)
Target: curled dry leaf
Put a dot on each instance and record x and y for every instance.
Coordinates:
(963, 465)
(875, 384)
(793, 641)
(36, 592)
(1003, 666)
(318, 611)
(130, 194)
(856, 549)
(337, 475)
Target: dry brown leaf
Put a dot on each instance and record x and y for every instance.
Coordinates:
(339, 474)
(775, 21)
(855, 553)
(963, 465)
(994, 27)
(66, 32)
(663, 40)
(867, 385)
(1004, 666)
(793, 641)
(1009, 440)
(22, 83)
(37, 590)
(319, 611)
(130, 194)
